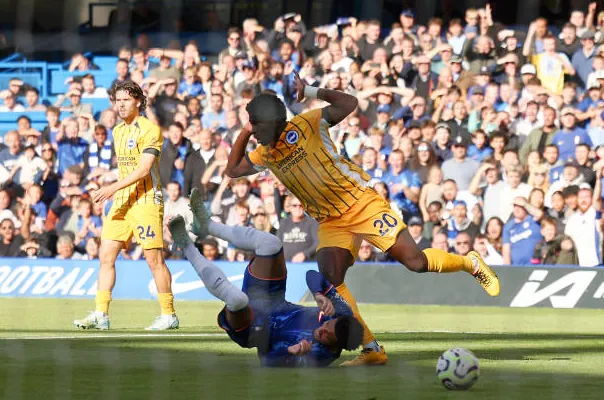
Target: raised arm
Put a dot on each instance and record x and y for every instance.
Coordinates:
(597, 195)
(591, 15)
(340, 104)
(527, 49)
(238, 164)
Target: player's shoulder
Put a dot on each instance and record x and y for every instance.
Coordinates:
(145, 124)
(310, 117)
(118, 127)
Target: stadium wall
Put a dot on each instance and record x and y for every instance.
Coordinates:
(542, 286)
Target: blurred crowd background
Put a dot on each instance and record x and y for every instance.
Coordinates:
(482, 135)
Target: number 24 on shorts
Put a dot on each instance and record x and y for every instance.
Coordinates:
(385, 223)
(141, 232)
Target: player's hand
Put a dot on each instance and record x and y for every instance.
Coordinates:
(104, 193)
(301, 348)
(299, 86)
(324, 304)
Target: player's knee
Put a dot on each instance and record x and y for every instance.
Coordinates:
(333, 275)
(106, 260)
(154, 260)
(268, 244)
(417, 264)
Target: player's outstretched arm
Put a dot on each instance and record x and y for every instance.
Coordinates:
(340, 104)
(238, 164)
(143, 169)
(320, 286)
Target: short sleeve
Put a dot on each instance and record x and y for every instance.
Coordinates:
(415, 181)
(152, 140)
(255, 158)
(506, 234)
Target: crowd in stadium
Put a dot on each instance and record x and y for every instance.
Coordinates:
(480, 136)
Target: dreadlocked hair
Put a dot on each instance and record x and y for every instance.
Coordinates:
(133, 89)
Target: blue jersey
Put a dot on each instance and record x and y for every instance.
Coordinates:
(568, 140)
(279, 324)
(479, 155)
(522, 238)
(290, 323)
(409, 179)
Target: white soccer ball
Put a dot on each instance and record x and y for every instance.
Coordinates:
(457, 369)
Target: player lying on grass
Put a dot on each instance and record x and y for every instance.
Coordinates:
(336, 193)
(258, 316)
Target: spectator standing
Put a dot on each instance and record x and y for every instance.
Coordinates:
(584, 226)
(416, 228)
(520, 235)
(174, 155)
(299, 234)
(71, 147)
(460, 168)
(554, 248)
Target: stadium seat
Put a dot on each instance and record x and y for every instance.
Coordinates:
(98, 105)
(57, 79)
(31, 78)
(8, 120)
(105, 63)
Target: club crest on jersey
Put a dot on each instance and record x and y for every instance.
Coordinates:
(291, 137)
(130, 144)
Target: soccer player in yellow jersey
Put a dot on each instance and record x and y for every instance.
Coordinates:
(336, 193)
(137, 208)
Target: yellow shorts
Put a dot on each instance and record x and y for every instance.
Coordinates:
(143, 221)
(370, 218)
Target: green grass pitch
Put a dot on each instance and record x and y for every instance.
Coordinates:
(531, 353)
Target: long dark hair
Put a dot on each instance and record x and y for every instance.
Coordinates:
(432, 160)
(132, 89)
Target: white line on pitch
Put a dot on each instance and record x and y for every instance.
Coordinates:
(114, 336)
(110, 335)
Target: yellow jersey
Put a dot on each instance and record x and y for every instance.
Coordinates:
(306, 161)
(130, 141)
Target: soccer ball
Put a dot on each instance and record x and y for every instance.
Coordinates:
(457, 369)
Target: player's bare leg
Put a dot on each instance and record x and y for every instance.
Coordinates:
(239, 315)
(407, 253)
(99, 319)
(163, 281)
(333, 264)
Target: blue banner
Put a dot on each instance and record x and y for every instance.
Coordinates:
(76, 279)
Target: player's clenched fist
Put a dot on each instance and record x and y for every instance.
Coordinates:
(301, 348)
(324, 304)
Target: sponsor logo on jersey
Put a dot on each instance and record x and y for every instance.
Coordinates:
(292, 137)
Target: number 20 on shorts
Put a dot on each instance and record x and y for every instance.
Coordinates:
(385, 224)
(141, 232)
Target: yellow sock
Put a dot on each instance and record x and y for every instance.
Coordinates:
(102, 300)
(345, 293)
(166, 303)
(441, 261)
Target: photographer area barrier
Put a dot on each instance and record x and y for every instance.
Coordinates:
(47, 278)
(534, 286)
(530, 286)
